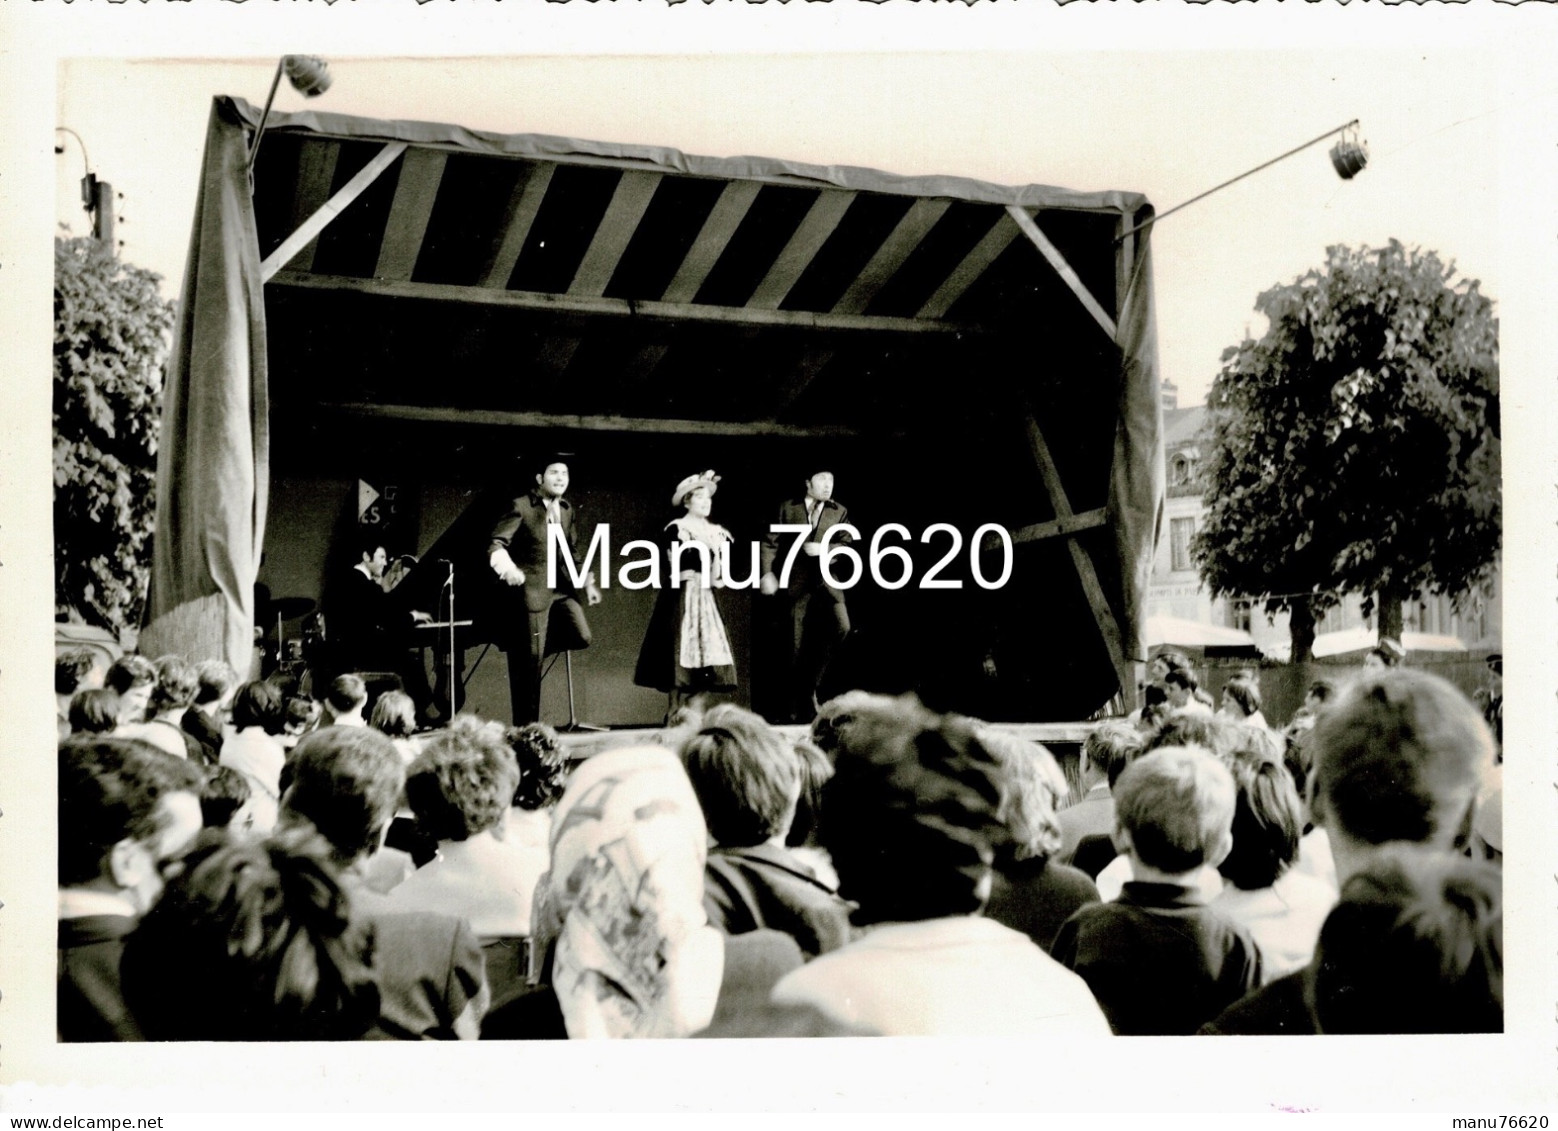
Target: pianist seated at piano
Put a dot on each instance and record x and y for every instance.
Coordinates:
(367, 629)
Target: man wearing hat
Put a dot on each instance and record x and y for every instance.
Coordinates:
(817, 620)
(517, 553)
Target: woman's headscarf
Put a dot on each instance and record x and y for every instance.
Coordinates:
(620, 914)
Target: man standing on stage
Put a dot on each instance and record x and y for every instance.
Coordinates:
(818, 620)
(517, 552)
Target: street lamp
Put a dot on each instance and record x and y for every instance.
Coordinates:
(309, 76)
(97, 197)
(1348, 158)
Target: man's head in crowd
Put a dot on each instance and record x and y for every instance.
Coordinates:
(258, 704)
(910, 814)
(463, 781)
(217, 683)
(1210, 733)
(1386, 656)
(1107, 750)
(253, 941)
(1160, 665)
(746, 776)
(225, 800)
(94, 710)
(1414, 946)
(1174, 811)
(133, 677)
(125, 810)
(1399, 756)
(543, 765)
(346, 782)
(1181, 685)
(1320, 692)
(76, 670)
(346, 698)
(177, 683)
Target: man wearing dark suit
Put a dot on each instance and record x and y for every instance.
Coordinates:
(368, 630)
(818, 620)
(517, 552)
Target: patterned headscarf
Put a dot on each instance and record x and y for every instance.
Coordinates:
(620, 914)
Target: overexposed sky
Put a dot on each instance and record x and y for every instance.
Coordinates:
(1169, 124)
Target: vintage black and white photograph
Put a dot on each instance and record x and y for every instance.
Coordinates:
(784, 546)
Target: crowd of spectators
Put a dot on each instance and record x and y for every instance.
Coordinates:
(240, 862)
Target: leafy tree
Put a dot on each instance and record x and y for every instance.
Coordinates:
(111, 330)
(1355, 445)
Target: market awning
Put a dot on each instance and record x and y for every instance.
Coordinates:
(1362, 639)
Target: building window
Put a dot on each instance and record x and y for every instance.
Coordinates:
(1239, 615)
(1181, 530)
(1179, 473)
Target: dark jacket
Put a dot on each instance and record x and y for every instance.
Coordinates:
(746, 889)
(806, 572)
(522, 532)
(1159, 961)
(89, 1006)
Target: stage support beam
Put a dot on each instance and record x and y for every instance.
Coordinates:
(420, 175)
(309, 230)
(524, 203)
(820, 221)
(595, 423)
(1052, 254)
(316, 170)
(975, 263)
(617, 226)
(729, 210)
(564, 305)
(1108, 627)
(897, 247)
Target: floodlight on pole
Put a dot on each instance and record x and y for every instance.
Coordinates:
(1348, 158)
(309, 76)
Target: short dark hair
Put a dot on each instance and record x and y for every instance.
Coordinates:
(543, 764)
(94, 711)
(346, 693)
(226, 791)
(1268, 819)
(109, 791)
(258, 704)
(70, 668)
(1245, 692)
(1400, 756)
(395, 714)
(1177, 804)
(1321, 689)
(1182, 677)
(1415, 946)
(263, 931)
(910, 814)
(1111, 746)
(745, 774)
(1216, 736)
(346, 781)
(130, 670)
(177, 683)
(302, 710)
(463, 781)
(216, 679)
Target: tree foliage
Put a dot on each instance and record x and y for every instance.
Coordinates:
(111, 332)
(1355, 445)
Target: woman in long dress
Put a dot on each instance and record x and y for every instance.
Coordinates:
(686, 649)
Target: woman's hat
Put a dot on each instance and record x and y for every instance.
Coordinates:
(692, 483)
